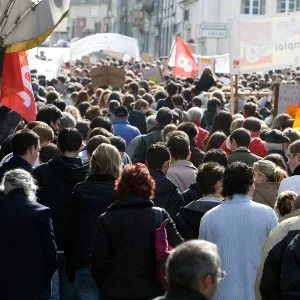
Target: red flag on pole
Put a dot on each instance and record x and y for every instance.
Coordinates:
(185, 64)
(16, 89)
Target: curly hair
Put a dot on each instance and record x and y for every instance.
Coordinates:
(136, 179)
(237, 179)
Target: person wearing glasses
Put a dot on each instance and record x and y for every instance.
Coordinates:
(193, 271)
(239, 227)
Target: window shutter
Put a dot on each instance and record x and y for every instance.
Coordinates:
(262, 7)
(298, 5)
(242, 6)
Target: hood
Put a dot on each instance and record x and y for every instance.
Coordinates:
(136, 115)
(97, 192)
(203, 205)
(163, 185)
(266, 193)
(69, 169)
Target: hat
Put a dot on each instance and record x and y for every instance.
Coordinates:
(275, 136)
(121, 111)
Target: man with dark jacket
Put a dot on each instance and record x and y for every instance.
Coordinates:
(240, 140)
(56, 180)
(209, 182)
(167, 195)
(25, 148)
(167, 102)
(163, 118)
(137, 116)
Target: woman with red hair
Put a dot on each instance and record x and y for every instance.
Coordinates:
(123, 262)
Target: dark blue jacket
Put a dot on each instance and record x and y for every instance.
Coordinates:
(28, 250)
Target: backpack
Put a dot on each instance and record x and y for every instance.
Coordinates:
(162, 248)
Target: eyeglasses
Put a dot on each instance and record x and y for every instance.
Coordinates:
(220, 275)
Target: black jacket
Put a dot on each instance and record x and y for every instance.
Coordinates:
(244, 155)
(28, 250)
(16, 162)
(56, 180)
(166, 195)
(204, 84)
(90, 199)
(138, 119)
(123, 262)
(145, 141)
(197, 156)
(167, 102)
(181, 293)
(193, 193)
(189, 217)
(207, 119)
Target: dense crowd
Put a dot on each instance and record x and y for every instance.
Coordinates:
(87, 187)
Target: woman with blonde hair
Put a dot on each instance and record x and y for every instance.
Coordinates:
(90, 199)
(103, 99)
(267, 178)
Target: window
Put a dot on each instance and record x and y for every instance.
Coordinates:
(287, 6)
(253, 7)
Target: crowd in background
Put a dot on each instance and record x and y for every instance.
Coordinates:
(84, 184)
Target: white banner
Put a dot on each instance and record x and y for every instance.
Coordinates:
(105, 41)
(264, 43)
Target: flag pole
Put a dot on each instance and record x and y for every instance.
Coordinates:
(231, 94)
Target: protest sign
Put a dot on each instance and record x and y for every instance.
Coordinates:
(205, 62)
(106, 75)
(154, 74)
(146, 57)
(288, 99)
(264, 43)
(222, 64)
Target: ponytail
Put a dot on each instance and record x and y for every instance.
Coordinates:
(279, 174)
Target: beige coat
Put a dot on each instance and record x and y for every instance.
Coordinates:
(266, 193)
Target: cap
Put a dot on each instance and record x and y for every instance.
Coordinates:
(121, 111)
(275, 136)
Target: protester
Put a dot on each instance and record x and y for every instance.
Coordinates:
(267, 178)
(171, 89)
(56, 180)
(193, 271)
(209, 183)
(285, 204)
(166, 195)
(28, 250)
(240, 222)
(90, 199)
(123, 262)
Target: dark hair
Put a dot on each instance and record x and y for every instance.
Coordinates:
(93, 112)
(172, 88)
(208, 175)
(83, 96)
(49, 113)
(179, 147)
(94, 142)
(277, 159)
(136, 179)
(178, 100)
(113, 104)
(197, 101)
(22, 140)
(47, 152)
(160, 94)
(103, 122)
(118, 142)
(99, 131)
(216, 140)
(213, 104)
(69, 139)
(292, 134)
(286, 202)
(164, 116)
(222, 122)
(190, 129)
(133, 87)
(252, 124)
(127, 101)
(51, 97)
(187, 95)
(250, 109)
(60, 104)
(83, 107)
(83, 127)
(237, 179)
(216, 155)
(157, 154)
(242, 137)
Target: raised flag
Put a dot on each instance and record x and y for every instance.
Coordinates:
(16, 89)
(185, 64)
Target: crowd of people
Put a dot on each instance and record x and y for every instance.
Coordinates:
(86, 187)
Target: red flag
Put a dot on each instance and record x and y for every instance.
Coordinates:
(185, 64)
(16, 89)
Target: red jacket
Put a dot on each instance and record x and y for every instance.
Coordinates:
(202, 134)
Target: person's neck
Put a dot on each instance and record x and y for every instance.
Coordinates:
(70, 154)
(215, 195)
(26, 157)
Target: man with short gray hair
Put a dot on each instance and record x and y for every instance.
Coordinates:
(193, 271)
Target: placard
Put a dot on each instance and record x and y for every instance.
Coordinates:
(288, 99)
(154, 74)
(106, 75)
(146, 57)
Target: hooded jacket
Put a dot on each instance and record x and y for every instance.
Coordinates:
(266, 193)
(56, 180)
(191, 194)
(189, 217)
(90, 199)
(167, 195)
(138, 119)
